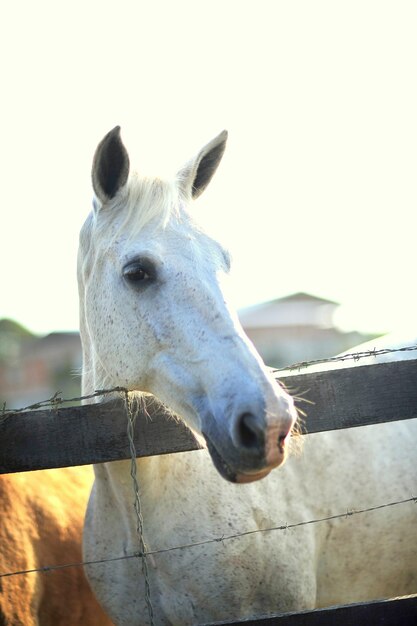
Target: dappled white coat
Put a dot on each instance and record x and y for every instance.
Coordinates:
(188, 349)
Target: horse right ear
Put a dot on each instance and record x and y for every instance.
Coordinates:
(198, 172)
(110, 166)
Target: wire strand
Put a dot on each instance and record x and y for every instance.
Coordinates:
(283, 527)
(131, 419)
(352, 356)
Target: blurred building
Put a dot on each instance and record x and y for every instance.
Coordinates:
(35, 368)
(299, 327)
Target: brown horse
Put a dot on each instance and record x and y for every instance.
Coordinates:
(41, 525)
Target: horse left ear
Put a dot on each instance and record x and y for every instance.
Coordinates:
(196, 175)
(110, 166)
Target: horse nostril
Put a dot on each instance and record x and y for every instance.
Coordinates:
(250, 431)
(282, 439)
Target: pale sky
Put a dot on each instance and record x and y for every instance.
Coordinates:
(317, 191)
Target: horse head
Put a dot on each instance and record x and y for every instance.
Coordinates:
(154, 318)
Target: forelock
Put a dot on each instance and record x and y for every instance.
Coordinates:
(141, 201)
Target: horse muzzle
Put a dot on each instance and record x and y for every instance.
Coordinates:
(252, 447)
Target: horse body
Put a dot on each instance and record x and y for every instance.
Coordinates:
(41, 524)
(194, 585)
(153, 319)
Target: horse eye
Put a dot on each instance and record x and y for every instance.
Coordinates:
(135, 274)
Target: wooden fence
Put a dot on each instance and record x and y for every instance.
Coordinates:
(96, 433)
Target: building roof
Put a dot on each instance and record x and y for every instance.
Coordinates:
(298, 309)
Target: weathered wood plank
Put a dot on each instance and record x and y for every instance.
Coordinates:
(61, 437)
(357, 396)
(80, 435)
(394, 612)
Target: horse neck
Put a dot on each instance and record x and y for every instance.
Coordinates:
(153, 473)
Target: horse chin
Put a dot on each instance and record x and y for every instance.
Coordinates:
(220, 464)
(226, 471)
(252, 477)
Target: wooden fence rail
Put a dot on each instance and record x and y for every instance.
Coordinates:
(393, 612)
(61, 437)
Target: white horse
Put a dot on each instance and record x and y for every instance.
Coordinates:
(154, 320)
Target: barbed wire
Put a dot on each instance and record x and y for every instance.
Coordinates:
(353, 356)
(56, 400)
(283, 527)
(131, 419)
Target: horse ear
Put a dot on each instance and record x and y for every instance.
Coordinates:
(110, 166)
(196, 175)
